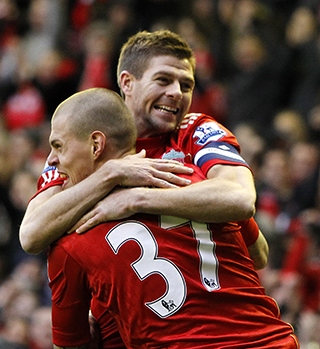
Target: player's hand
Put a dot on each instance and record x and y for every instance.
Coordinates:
(115, 206)
(137, 170)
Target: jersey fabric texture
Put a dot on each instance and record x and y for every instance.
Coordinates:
(200, 141)
(168, 282)
(49, 178)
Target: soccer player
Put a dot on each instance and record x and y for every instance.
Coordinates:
(168, 282)
(156, 75)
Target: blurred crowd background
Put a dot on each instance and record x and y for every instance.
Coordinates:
(258, 73)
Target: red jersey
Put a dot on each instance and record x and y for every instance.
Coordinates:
(49, 178)
(205, 143)
(168, 282)
(199, 140)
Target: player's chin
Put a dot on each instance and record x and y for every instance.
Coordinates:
(169, 124)
(167, 128)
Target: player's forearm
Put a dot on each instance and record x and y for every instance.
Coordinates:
(211, 201)
(259, 252)
(46, 220)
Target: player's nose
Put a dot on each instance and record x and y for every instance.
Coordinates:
(53, 160)
(174, 90)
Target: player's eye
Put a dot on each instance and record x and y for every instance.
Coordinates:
(163, 80)
(186, 87)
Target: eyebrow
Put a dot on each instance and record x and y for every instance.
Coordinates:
(54, 141)
(164, 72)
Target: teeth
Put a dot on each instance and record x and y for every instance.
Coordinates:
(166, 109)
(62, 175)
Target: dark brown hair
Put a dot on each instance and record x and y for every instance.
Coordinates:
(137, 52)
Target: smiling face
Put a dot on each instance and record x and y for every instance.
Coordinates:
(73, 157)
(162, 97)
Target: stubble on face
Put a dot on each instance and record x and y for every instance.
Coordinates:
(162, 97)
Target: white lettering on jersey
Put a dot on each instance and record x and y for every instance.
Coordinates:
(206, 249)
(149, 263)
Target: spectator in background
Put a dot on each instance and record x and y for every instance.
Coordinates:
(21, 296)
(56, 77)
(314, 123)
(302, 38)
(289, 127)
(45, 22)
(253, 145)
(255, 91)
(40, 335)
(209, 95)
(98, 43)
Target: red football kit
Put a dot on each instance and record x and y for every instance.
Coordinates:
(168, 282)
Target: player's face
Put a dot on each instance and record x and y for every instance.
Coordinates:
(72, 157)
(162, 97)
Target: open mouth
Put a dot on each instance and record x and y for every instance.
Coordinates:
(166, 109)
(65, 177)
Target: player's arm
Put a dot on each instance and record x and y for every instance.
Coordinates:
(227, 196)
(53, 211)
(257, 245)
(259, 252)
(71, 299)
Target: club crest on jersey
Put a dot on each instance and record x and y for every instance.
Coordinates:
(174, 155)
(208, 132)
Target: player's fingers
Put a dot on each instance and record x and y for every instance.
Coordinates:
(169, 180)
(173, 167)
(140, 155)
(88, 224)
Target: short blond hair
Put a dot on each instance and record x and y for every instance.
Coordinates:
(100, 109)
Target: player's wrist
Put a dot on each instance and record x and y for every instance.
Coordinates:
(110, 174)
(141, 200)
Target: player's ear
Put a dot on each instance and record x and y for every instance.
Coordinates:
(98, 143)
(126, 82)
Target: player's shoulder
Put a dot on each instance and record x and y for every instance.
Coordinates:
(204, 128)
(194, 119)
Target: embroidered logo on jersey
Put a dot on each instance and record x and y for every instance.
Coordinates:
(168, 305)
(208, 132)
(174, 155)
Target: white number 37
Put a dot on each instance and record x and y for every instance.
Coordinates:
(149, 263)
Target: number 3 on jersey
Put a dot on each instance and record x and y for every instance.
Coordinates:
(149, 263)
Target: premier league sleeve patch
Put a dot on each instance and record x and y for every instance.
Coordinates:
(220, 151)
(208, 132)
